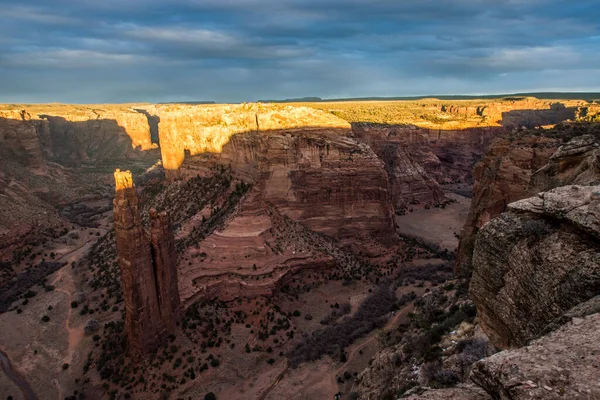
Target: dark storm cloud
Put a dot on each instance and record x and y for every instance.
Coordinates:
(237, 50)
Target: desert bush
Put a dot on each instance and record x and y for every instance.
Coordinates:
(337, 312)
(445, 378)
(471, 350)
(332, 340)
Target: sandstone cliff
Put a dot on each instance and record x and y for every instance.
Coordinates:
(20, 139)
(429, 142)
(535, 269)
(72, 135)
(418, 160)
(535, 262)
(577, 162)
(536, 285)
(461, 114)
(501, 177)
(303, 161)
(201, 129)
(522, 164)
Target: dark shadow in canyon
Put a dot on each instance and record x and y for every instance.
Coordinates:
(95, 142)
(557, 113)
(320, 172)
(153, 121)
(447, 156)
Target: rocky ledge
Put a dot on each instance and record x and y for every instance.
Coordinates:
(535, 262)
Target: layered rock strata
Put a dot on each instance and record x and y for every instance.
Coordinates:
(71, 135)
(561, 365)
(521, 165)
(535, 262)
(501, 177)
(148, 270)
(418, 160)
(303, 161)
(577, 162)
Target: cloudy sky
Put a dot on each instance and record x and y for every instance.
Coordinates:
(244, 50)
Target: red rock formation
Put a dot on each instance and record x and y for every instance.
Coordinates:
(206, 129)
(304, 162)
(419, 160)
(164, 259)
(501, 177)
(71, 135)
(19, 137)
(148, 271)
(519, 111)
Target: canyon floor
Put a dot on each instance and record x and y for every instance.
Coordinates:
(440, 226)
(48, 355)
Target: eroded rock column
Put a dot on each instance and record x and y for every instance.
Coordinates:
(148, 274)
(164, 260)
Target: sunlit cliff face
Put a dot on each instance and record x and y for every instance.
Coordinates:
(202, 129)
(123, 180)
(71, 135)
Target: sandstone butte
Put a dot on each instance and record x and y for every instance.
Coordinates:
(148, 264)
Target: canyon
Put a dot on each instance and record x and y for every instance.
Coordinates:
(255, 225)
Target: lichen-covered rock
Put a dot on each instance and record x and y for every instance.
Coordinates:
(562, 365)
(537, 261)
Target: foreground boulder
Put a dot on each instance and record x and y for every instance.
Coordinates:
(563, 365)
(537, 261)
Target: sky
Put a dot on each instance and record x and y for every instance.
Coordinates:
(113, 51)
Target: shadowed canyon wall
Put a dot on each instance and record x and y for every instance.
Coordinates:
(305, 162)
(418, 160)
(522, 165)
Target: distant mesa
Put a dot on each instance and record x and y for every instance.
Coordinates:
(200, 102)
(508, 96)
(294, 100)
